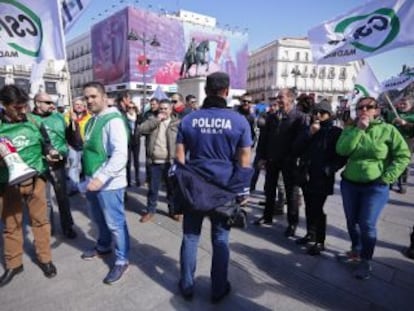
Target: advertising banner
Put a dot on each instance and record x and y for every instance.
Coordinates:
(118, 60)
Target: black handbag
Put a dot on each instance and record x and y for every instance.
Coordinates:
(234, 214)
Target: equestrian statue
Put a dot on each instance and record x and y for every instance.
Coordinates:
(195, 55)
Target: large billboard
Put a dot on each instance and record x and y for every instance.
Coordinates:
(117, 60)
(110, 49)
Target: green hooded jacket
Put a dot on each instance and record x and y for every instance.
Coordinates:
(378, 153)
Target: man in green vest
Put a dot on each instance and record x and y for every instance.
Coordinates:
(105, 154)
(31, 147)
(54, 123)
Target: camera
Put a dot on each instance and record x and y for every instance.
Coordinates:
(238, 219)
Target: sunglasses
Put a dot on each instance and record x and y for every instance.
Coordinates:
(46, 102)
(367, 107)
(246, 101)
(174, 101)
(315, 112)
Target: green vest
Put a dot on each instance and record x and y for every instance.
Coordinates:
(55, 127)
(27, 139)
(94, 154)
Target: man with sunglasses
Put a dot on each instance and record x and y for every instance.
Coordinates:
(245, 109)
(44, 114)
(179, 107)
(191, 103)
(377, 155)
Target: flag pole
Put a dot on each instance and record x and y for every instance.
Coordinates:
(388, 100)
(72, 122)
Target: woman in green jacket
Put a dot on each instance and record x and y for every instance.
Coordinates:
(377, 155)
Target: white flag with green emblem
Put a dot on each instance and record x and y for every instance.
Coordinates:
(399, 82)
(373, 28)
(30, 31)
(366, 84)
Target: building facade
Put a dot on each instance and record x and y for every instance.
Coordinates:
(288, 63)
(79, 59)
(55, 80)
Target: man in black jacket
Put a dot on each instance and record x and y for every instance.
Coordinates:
(275, 152)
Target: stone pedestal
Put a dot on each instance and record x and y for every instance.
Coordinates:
(194, 86)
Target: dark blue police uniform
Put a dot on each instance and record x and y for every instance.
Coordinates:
(211, 138)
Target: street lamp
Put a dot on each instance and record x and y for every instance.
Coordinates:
(143, 61)
(296, 73)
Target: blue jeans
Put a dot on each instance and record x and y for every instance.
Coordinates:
(157, 173)
(363, 204)
(107, 210)
(188, 258)
(74, 170)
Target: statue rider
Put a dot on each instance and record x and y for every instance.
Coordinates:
(191, 52)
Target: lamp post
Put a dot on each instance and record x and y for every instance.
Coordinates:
(296, 73)
(142, 60)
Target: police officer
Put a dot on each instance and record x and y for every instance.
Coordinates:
(212, 138)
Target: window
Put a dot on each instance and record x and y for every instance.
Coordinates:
(331, 74)
(322, 73)
(297, 56)
(342, 73)
(314, 72)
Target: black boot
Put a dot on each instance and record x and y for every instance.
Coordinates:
(305, 240)
(290, 231)
(316, 249)
(410, 251)
(9, 274)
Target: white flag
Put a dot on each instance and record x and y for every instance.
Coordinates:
(400, 82)
(30, 32)
(36, 76)
(71, 11)
(366, 84)
(373, 28)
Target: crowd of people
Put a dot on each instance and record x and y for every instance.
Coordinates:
(203, 156)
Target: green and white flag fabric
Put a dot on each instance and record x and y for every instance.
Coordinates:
(399, 82)
(371, 29)
(366, 84)
(30, 31)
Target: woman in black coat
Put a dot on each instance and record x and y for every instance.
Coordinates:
(318, 163)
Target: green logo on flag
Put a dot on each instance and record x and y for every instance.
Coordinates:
(359, 90)
(21, 28)
(383, 21)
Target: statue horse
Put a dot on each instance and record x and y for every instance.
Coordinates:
(199, 57)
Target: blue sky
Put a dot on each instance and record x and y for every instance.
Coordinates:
(265, 21)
